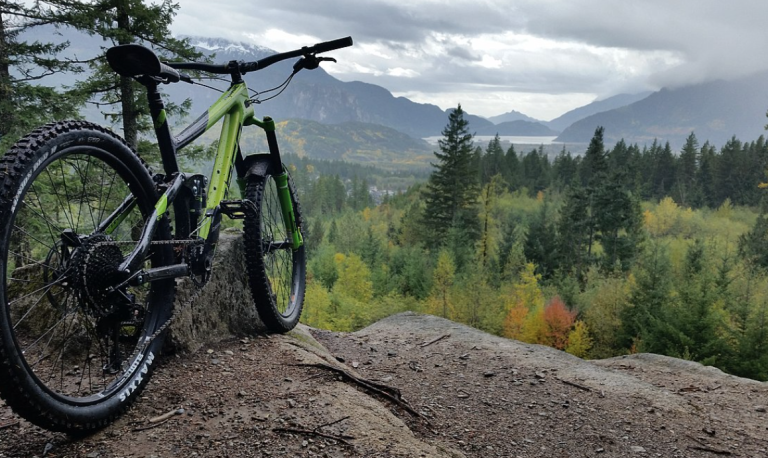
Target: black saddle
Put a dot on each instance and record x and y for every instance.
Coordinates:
(136, 60)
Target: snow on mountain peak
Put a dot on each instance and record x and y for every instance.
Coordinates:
(221, 45)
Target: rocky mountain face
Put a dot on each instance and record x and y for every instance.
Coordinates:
(617, 101)
(714, 111)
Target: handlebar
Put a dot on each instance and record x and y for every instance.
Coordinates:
(245, 67)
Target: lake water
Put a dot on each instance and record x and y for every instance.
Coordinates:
(484, 139)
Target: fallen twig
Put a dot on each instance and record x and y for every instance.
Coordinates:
(391, 393)
(331, 423)
(435, 340)
(159, 420)
(150, 426)
(9, 424)
(575, 385)
(316, 431)
(166, 415)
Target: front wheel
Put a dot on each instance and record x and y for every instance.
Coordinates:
(276, 272)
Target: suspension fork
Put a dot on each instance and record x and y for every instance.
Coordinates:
(275, 165)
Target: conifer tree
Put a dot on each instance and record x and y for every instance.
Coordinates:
(24, 102)
(120, 22)
(493, 161)
(453, 186)
(513, 168)
(594, 164)
(686, 190)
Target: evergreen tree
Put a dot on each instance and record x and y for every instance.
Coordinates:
(643, 323)
(663, 172)
(753, 246)
(513, 168)
(686, 191)
(698, 319)
(493, 161)
(594, 163)
(541, 243)
(564, 170)
(24, 103)
(618, 222)
(728, 174)
(573, 233)
(706, 176)
(453, 186)
(122, 22)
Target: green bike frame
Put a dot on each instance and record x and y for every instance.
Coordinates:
(235, 110)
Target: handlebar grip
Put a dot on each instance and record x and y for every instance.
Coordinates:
(331, 45)
(170, 73)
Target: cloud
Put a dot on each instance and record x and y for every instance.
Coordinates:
(499, 50)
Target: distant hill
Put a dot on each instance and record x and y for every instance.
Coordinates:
(598, 106)
(511, 116)
(520, 128)
(351, 141)
(715, 111)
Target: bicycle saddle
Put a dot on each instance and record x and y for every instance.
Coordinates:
(136, 60)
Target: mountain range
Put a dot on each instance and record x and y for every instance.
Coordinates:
(715, 111)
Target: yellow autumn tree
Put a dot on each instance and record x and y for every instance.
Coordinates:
(317, 307)
(350, 307)
(440, 301)
(354, 278)
(525, 308)
(579, 340)
(663, 220)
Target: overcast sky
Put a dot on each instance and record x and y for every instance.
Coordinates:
(539, 57)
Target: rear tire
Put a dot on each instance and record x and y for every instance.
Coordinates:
(276, 275)
(72, 356)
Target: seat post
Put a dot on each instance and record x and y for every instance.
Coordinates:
(165, 140)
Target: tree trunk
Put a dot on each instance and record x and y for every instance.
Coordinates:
(6, 113)
(130, 127)
(130, 124)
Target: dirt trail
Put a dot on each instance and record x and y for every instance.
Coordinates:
(472, 394)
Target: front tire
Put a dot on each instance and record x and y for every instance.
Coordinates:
(276, 272)
(72, 356)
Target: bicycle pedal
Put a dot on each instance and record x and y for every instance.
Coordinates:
(236, 209)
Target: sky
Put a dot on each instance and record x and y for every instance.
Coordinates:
(539, 57)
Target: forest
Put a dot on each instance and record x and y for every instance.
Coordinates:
(624, 249)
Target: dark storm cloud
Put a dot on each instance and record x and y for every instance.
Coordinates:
(530, 46)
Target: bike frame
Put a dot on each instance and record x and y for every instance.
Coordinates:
(236, 111)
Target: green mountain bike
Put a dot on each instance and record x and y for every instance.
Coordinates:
(88, 259)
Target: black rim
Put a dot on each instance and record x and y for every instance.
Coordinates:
(75, 340)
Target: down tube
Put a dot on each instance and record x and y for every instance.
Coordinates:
(222, 166)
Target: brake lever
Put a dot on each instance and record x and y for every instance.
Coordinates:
(310, 62)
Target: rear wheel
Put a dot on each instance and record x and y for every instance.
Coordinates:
(276, 272)
(73, 351)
